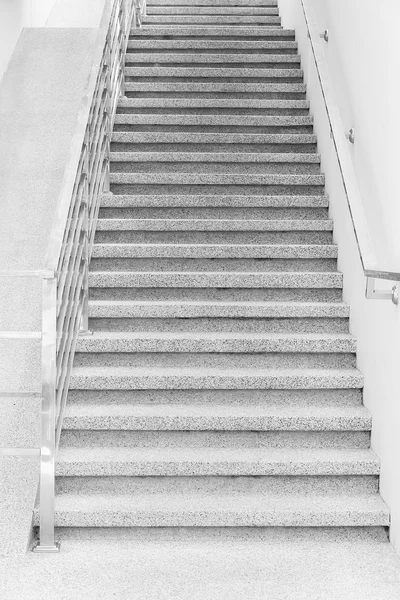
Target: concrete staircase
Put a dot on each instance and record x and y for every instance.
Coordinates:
(219, 387)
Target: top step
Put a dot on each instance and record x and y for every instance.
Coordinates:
(252, 3)
(173, 31)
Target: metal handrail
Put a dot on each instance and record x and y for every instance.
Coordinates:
(65, 276)
(372, 270)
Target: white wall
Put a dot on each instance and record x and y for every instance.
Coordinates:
(364, 65)
(14, 15)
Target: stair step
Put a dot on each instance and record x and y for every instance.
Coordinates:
(214, 157)
(212, 251)
(175, 309)
(207, 59)
(185, 378)
(145, 341)
(211, 21)
(213, 3)
(192, 106)
(215, 120)
(208, 224)
(212, 10)
(192, 73)
(198, 200)
(216, 280)
(225, 45)
(94, 510)
(215, 31)
(178, 417)
(111, 461)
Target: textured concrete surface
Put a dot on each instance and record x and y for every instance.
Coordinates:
(155, 57)
(228, 200)
(357, 564)
(177, 86)
(253, 31)
(115, 309)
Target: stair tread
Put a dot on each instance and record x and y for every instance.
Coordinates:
(127, 224)
(268, 460)
(216, 308)
(209, 103)
(165, 57)
(215, 157)
(84, 415)
(155, 71)
(241, 120)
(228, 200)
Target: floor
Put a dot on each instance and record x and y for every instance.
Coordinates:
(328, 564)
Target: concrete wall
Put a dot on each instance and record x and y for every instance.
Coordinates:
(364, 64)
(14, 15)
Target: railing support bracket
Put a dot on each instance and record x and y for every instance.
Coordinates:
(373, 294)
(38, 549)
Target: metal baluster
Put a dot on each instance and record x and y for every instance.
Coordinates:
(47, 542)
(84, 325)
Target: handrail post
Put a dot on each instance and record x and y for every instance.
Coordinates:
(47, 541)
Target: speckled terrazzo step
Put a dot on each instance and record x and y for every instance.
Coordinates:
(214, 31)
(213, 3)
(209, 107)
(226, 200)
(208, 224)
(197, 60)
(74, 510)
(213, 251)
(218, 417)
(144, 341)
(192, 74)
(175, 309)
(100, 378)
(216, 280)
(232, 46)
(111, 461)
(220, 121)
(212, 21)
(213, 10)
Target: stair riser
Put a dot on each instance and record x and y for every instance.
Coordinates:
(204, 265)
(214, 213)
(205, 32)
(214, 237)
(240, 486)
(201, 167)
(312, 325)
(292, 398)
(217, 294)
(119, 438)
(216, 202)
(213, 71)
(250, 190)
(219, 129)
(227, 48)
(209, 10)
(260, 3)
(220, 61)
(201, 519)
(154, 146)
(156, 356)
(214, 111)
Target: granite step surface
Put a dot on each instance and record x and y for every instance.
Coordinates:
(242, 45)
(212, 10)
(175, 309)
(226, 342)
(216, 280)
(216, 31)
(211, 21)
(226, 200)
(195, 60)
(259, 251)
(213, 3)
(139, 462)
(206, 224)
(74, 510)
(216, 417)
(114, 377)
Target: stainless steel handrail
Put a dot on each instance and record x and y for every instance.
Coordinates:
(372, 270)
(65, 276)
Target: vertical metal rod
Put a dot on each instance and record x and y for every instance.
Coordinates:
(84, 325)
(47, 542)
(108, 110)
(124, 41)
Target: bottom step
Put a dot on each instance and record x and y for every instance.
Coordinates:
(196, 510)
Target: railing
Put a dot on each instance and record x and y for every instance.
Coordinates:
(65, 278)
(372, 269)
